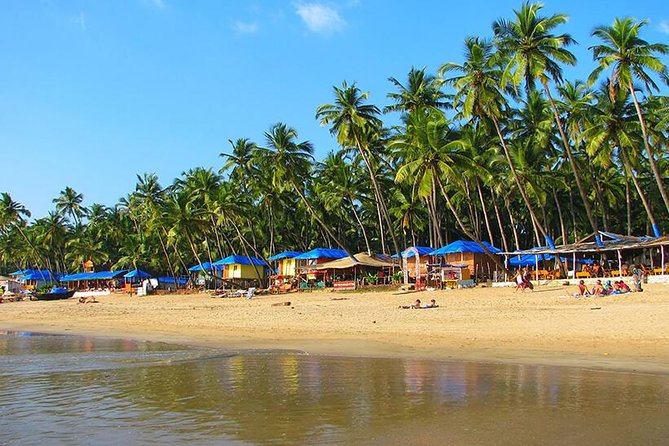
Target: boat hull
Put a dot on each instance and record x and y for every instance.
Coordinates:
(53, 296)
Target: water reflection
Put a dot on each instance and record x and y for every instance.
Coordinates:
(85, 390)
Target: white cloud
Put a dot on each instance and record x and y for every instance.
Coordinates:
(320, 18)
(664, 26)
(80, 21)
(245, 27)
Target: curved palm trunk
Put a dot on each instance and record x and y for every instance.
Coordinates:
(466, 231)
(635, 181)
(362, 227)
(313, 212)
(499, 221)
(572, 164)
(651, 154)
(563, 228)
(513, 222)
(485, 210)
(377, 193)
(538, 226)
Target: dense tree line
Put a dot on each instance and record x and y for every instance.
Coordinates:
(498, 146)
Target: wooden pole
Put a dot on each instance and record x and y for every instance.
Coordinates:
(620, 263)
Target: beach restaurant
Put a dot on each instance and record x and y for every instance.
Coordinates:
(414, 263)
(92, 280)
(308, 261)
(647, 250)
(347, 274)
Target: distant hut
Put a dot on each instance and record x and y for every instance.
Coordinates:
(415, 264)
(242, 269)
(469, 254)
(286, 265)
(306, 263)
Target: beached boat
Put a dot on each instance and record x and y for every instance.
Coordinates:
(53, 296)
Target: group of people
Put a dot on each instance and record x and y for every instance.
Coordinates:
(599, 289)
(418, 306)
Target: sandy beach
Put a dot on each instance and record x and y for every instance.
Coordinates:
(627, 332)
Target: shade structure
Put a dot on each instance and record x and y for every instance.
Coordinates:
(171, 280)
(531, 259)
(100, 275)
(363, 259)
(35, 274)
(322, 253)
(464, 246)
(422, 251)
(206, 266)
(284, 255)
(138, 273)
(239, 260)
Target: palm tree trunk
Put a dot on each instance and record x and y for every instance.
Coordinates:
(513, 222)
(563, 228)
(469, 235)
(572, 162)
(499, 221)
(485, 211)
(514, 173)
(318, 219)
(382, 237)
(635, 181)
(362, 227)
(628, 204)
(651, 155)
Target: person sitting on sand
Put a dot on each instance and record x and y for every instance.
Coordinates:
(582, 289)
(413, 307)
(608, 288)
(432, 304)
(598, 289)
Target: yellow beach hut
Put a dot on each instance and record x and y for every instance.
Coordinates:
(286, 264)
(242, 268)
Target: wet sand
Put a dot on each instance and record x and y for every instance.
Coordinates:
(547, 326)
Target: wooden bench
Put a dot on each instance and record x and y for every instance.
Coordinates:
(583, 275)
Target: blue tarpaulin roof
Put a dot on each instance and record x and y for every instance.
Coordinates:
(422, 251)
(100, 275)
(36, 274)
(205, 265)
(464, 246)
(284, 255)
(322, 253)
(169, 279)
(531, 259)
(240, 260)
(137, 273)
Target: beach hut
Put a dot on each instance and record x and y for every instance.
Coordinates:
(469, 254)
(34, 278)
(307, 262)
(286, 264)
(9, 285)
(347, 273)
(242, 268)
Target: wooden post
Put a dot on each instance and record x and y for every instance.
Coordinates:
(573, 261)
(620, 264)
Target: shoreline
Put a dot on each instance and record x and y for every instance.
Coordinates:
(616, 333)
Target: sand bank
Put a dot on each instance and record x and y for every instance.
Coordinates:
(481, 324)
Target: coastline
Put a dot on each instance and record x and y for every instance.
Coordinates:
(623, 332)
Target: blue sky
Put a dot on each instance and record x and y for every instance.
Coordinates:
(93, 92)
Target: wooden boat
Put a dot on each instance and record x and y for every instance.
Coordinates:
(53, 296)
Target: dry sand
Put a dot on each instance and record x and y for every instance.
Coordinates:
(626, 332)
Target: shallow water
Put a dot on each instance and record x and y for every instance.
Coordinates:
(83, 390)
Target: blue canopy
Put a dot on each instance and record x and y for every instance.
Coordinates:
(206, 266)
(422, 251)
(100, 275)
(170, 279)
(137, 273)
(36, 274)
(464, 246)
(241, 260)
(322, 253)
(531, 259)
(284, 255)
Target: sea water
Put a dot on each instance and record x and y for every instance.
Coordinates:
(84, 390)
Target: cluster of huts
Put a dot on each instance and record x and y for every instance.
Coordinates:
(458, 264)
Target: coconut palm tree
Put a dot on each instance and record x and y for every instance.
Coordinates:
(535, 53)
(478, 96)
(291, 163)
(351, 119)
(69, 203)
(632, 58)
(422, 91)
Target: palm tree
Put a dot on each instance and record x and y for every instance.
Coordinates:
(478, 95)
(631, 58)
(422, 91)
(533, 53)
(351, 119)
(69, 203)
(291, 162)
(431, 158)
